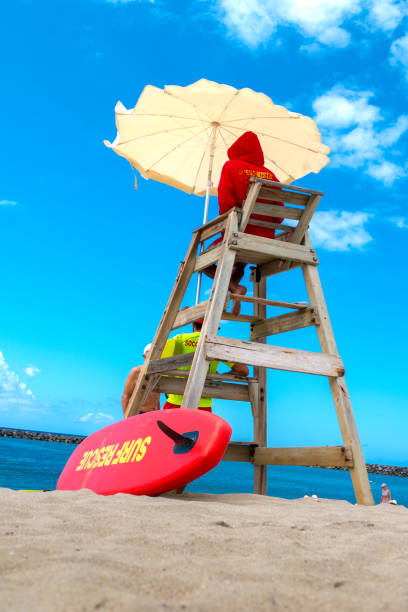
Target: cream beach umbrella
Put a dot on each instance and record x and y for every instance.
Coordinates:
(180, 135)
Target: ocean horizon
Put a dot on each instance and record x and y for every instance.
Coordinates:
(37, 464)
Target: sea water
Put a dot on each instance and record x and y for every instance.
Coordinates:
(36, 464)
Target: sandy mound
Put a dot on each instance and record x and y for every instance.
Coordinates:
(79, 551)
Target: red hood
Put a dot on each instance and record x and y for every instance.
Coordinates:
(247, 148)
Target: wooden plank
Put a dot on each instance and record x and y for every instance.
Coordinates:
(284, 323)
(291, 187)
(212, 320)
(273, 210)
(254, 300)
(189, 315)
(143, 383)
(212, 230)
(227, 376)
(227, 316)
(272, 194)
(169, 363)
(208, 258)
(216, 220)
(254, 247)
(338, 388)
(274, 357)
(321, 456)
(248, 205)
(258, 394)
(279, 226)
(239, 451)
(217, 376)
(277, 266)
(212, 388)
(305, 219)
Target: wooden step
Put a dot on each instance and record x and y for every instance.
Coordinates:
(253, 249)
(193, 313)
(320, 456)
(166, 364)
(226, 376)
(256, 300)
(212, 388)
(283, 323)
(274, 357)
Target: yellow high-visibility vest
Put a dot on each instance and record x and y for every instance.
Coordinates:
(180, 345)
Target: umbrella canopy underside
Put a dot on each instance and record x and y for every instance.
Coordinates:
(168, 135)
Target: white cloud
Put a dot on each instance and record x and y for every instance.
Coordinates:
(401, 222)
(336, 230)
(326, 21)
(32, 370)
(354, 129)
(96, 417)
(399, 51)
(387, 14)
(7, 203)
(386, 172)
(12, 390)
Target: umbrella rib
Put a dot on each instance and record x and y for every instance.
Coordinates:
(142, 115)
(280, 167)
(198, 111)
(224, 110)
(222, 136)
(293, 144)
(199, 166)
(262, 118)
(271, 160)
(156, 134)
(174, 148)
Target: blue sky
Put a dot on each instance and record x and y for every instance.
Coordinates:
(88, 262)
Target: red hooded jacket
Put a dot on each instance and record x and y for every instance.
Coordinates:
(246, 159)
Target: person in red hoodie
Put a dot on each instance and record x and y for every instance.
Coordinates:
(246, 159)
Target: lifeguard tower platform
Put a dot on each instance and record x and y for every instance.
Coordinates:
(290, 248)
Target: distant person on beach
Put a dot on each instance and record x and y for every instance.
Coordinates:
(246, 160)
(153, 400)
(187, 343)
(385, 494)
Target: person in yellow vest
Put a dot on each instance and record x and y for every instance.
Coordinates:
(187, 343)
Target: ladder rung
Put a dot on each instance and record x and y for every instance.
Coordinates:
(189, 315)
(274, 357)
(245, 298)
(208, 258)
(169, 363)
(239, 451)
(226, 376)
(212, 388)
(285, 187)
(253, 249)
(322, 456)
(283, 323)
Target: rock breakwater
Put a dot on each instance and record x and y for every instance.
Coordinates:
(40, 435)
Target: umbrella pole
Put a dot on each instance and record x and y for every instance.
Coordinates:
(207, 202)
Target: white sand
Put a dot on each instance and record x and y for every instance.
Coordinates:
(79, 551)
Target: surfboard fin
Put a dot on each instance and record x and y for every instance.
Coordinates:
(183, 442)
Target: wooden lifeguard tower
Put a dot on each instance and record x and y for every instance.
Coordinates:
(290, 248)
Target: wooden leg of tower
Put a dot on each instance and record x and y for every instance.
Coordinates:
(145, 383)
(199, 367)
(339, 391)
(260, 433)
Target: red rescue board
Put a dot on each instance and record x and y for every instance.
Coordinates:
(147, 454)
